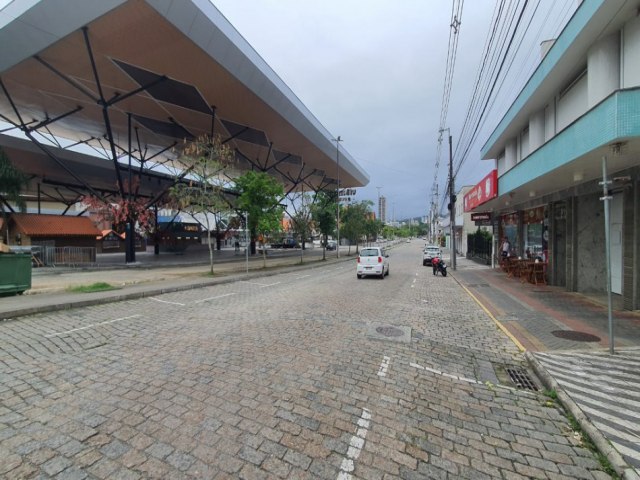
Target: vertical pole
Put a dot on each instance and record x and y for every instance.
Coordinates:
(246, 240)
(452, 199)
(129, 240)
(338, 140)
(607, 237)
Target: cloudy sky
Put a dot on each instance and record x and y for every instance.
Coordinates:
(373, 72)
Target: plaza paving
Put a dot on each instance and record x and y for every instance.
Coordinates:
(302, 373)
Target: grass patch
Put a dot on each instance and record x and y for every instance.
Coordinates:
(585, 439)
(94, 287)
(588, 443)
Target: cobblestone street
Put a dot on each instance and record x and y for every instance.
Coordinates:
(312, 374)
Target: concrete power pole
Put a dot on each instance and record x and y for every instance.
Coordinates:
(452, 205)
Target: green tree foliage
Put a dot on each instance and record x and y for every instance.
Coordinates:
(206, 159)
(12, 181)
(259, 195)
(323, 213)
(354, 222)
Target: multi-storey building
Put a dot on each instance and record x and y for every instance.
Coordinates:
(382, 209)
(577, 117)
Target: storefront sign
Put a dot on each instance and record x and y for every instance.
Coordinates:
(477, 217)
(482, 192)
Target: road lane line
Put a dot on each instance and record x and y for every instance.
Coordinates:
(90, 326)
(214, 298)
(382, 371)
(166, 301)
(270, 284)
(356, 444)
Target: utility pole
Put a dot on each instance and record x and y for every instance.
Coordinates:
(338, 140)
(452, 199)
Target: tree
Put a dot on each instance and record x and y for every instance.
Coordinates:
(354, 219)
(117, 212)
(373, 228)
(259, 195)
(323, 213)
(205, 158)
(12, 181)
(301, 221)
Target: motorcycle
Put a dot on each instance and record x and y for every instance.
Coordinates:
(439, 266)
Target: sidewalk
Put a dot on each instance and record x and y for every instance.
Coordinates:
(565, 334)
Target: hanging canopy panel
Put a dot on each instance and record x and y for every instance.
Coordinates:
(151, 74)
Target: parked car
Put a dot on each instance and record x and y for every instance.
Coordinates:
(372, 261)
(332, 245)
(429, 252)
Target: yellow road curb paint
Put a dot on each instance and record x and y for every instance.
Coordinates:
(495, 320)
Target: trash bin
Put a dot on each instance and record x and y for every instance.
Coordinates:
(15, 273)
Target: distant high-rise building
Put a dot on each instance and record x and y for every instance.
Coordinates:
(382, 209)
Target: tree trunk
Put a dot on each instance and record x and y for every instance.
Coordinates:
(264, 255)
(324, 247)
(210, 250)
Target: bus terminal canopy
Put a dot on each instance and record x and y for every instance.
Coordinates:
(134, 79)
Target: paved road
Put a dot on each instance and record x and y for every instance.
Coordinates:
(300, 375)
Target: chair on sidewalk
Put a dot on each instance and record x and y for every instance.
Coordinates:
(538, 274)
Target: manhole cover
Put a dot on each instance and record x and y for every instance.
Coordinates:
(575, 336)
(390, 331)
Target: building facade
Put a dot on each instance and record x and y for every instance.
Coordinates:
(576, 120)
(382, 209)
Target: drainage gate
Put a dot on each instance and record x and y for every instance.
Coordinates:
(521, 379)
(575, 336)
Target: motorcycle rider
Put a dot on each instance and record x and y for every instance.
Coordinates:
(434, 264)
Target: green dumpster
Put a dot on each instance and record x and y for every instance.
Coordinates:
(15, 273)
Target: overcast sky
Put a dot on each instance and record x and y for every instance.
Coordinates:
(372, 71)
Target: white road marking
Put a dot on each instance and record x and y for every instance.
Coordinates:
(165, 301)
(382, 371)
(270, 285)
(253, 283)
(214, 298)
(355, 446)
(90, 326)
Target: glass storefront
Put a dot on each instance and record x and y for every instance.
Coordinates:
(535, 233)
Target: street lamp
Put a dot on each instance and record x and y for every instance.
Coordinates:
(338, 140)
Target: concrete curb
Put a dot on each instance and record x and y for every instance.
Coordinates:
(621, 467)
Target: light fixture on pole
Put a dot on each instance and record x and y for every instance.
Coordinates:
(338, 140)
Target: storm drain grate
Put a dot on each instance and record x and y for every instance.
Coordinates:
(575, 336)
(521, 379)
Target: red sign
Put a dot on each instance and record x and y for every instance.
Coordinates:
(482, 192)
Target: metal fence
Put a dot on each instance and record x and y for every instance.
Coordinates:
(479, 247)
(64, 256)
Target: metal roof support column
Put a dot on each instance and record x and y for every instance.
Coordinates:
(105, 108)
(130, 244)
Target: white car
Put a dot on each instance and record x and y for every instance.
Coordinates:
(429, 252)
(373, 261)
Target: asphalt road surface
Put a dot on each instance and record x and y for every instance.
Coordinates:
(312, 374)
